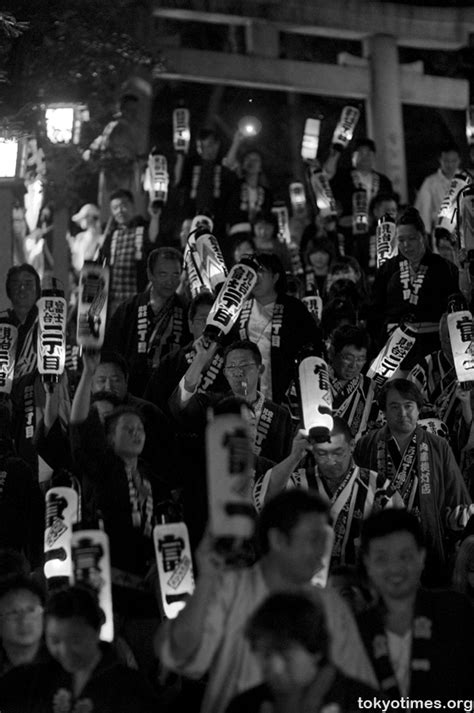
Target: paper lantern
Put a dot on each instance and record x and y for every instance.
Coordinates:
(8, 342)
(360, 212)
(297, 196)
(175, 566)
(181, 130)
(230, 478)
(465, 218)
(385, 239)
(236, 289)
(156, 180)
(63, 122)
(61, 514)
(447, 211)
(470, 125)
(92, 305)
(281, 212)
(461, 337)
(316, 397)
(387, 362)
(91, 566)
(309, 145)
(211, 259)
(322, 190)
(344, 130)
(314, 305)
(51, 342)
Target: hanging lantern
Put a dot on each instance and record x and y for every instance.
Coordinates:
(297, 197)
(360, 212)
(8, 342)
(314, 305)
(92, 305)
(309, 145)
(51, 344)
(181, 130)
(229, 478)
(91, 566)
(175, 566)
(236, 289)
(250, 126)
(344, 131)
(12, 155)
(316, 397)
(61, 514)
(387, 362)
(63, 122)
(385, 239)
(461, 337)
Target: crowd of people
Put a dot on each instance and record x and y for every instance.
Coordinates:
(382, 505)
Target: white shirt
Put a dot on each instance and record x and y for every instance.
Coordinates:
(399, 650)
(432, 192)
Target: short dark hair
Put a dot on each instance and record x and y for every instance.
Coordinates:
(164, 253)
(16, 270)
(319, 245)
(383, 198)
(343, 262)
(267, 217)
(274, 264)
(22, 582)
(283, 512)
(110, 357)
(349, 335)
(364, 141)
(388, 521)
(76, 601)
(449, 146)
(288, 617)
(207, 133)
(121, 193)
(204, 298)
(248, 346)
(410, 216)
(405, 387)
(111, 420)
(341, 427)
(334, 312)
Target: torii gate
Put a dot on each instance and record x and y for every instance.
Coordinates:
(378, 79)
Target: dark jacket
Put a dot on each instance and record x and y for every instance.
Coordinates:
(111, 688)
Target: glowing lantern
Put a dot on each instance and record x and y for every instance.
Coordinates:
(91, 566)
(236, 289)
(461, 337)
(157, 180)
(229, 478)
(316, 397)
(297, 197)
(360, 212)
(344, 131)
(175, 566)
(309, 145)
(250, 126)
(92, 305)
(385, 239)
(211, 259)
(181, 130)
(470, 125)
(61, 514)
(387, 362)
(63, 122)
(52, 313)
